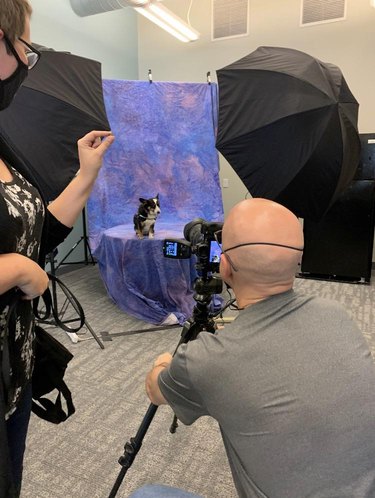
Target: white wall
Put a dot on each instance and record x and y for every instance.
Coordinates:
(110, 38)
(348, 44)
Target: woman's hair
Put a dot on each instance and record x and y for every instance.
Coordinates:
(13, 14)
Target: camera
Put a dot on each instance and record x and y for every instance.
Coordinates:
(200, 241)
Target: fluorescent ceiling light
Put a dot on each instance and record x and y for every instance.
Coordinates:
(152, 9)
(171, 23)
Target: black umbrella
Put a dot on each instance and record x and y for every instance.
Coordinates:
(288, 127)
(59, 102)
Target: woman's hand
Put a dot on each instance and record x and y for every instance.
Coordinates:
(34, 282)
(91, 149)
(22, 272)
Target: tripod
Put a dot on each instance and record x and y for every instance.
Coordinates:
(200, 320)
(69, 299)
(86, 247)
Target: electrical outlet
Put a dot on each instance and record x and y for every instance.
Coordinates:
(225, 182)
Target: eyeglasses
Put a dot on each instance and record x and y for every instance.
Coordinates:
(218, 234)
(32, 54)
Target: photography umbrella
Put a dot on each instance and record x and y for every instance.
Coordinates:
(60, 101)
(288, 127)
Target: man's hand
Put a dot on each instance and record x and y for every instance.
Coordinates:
(152, 387)
(163, 360)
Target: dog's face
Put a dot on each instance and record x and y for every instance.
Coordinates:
(152, 206)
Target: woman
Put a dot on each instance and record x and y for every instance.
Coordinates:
(28, 231)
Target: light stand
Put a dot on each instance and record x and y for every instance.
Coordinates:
(59, 320)
(88, 257)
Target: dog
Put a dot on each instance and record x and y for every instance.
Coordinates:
(145, 218)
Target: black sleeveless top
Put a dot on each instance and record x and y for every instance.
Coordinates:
(21, 221)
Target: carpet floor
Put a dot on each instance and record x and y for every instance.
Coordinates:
(79, 458)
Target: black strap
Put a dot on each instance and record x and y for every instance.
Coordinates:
(5, 355)
(53, 411)
(51, 309)
(51, 359)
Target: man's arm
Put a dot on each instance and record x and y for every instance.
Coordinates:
(152, 387)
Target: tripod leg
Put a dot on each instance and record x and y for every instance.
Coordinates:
(174, 425)
(87, 324)
(68, 300)
(190, 331)
(93, 334)
(69, 253)
(88, 251)
(87, 248)
(132, 447)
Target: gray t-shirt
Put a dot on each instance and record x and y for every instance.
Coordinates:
(291, 383)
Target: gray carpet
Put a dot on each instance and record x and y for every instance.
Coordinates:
(79, 457)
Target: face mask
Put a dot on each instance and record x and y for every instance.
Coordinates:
(10, 86)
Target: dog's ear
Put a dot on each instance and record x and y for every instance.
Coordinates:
(142, 200)
(157, 196)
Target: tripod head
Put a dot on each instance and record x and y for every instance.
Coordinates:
(201, 242)
(201, 318)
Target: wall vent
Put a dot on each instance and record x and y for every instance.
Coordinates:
(230, 19)
(322, 11)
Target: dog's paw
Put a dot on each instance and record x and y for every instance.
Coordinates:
(150, 235)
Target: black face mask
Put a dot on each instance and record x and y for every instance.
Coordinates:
(10, 86)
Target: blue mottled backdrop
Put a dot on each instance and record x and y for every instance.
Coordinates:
(165, 144)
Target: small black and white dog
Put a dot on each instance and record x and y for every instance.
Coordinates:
(144, 219)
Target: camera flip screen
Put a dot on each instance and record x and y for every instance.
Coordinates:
(171, 249)
(178, 249)
(215, 252)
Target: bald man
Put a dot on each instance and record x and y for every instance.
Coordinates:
(291, 381)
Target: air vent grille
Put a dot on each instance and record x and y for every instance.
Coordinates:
(322, 11)
(229, 18)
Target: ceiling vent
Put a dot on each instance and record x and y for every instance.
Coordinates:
(85, 8)
(322, 11)
(230, 19)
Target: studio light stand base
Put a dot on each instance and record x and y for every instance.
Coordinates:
(68, 301)
(88, 257)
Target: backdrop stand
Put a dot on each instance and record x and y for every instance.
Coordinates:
(68, 301)
(88, 257)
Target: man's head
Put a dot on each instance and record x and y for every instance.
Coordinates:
(13, 17)
(257, 271)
